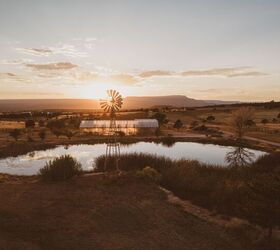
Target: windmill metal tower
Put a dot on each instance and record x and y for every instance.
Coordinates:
(111, 105)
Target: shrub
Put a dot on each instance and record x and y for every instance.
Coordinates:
(55, 124)
(149, 173)
(15, 133)
(133, 161)
(210, 118)
(68, 133)
(30, 123)
(157, 132)
(263, 201)
(120, 133)
(42, 135)
(56, 132)
(30, 139)
(249, 123)
(264, 121)
(61, 168)
(41, 123)
(168, 141)
(194, 124)
(178, 124)
(201, 128)
(161, 117)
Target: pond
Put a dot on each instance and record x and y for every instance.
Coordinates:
(29, 164)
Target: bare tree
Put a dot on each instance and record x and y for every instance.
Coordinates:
(240, 120)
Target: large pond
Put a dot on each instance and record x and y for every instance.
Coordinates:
(224, 156)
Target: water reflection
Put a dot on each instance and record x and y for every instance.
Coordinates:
(86, 154)
(168, 142)
(240, 157)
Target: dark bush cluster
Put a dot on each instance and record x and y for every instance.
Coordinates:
(29, 123)
(61, 168)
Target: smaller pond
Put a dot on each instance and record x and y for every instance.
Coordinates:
(29, 164)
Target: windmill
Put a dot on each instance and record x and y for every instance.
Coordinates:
(111, 105)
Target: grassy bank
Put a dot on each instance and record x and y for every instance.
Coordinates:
(237, 191)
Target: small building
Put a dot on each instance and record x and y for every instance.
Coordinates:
(128, 127)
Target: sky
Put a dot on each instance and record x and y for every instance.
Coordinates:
(204, 49)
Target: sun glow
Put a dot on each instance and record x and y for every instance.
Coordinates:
(97, 90)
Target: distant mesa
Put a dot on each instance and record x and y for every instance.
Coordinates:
(130, 102)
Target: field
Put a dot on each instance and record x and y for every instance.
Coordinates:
(109, 211)
(268, 131)
(261, 135)
(96, 212)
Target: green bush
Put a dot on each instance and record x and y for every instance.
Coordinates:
(149, 173)
(61, 168)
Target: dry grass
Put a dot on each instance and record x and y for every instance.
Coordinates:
(11, 124)
(95, 212)
(270, 131)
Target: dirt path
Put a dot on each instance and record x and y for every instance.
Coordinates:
(202, 213)
(255, 139)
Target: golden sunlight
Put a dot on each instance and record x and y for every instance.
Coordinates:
(97, 91)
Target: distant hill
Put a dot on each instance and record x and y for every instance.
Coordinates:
(41, 104)
(134, 102)
(130, 102)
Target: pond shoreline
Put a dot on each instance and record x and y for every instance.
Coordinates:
(15, 149)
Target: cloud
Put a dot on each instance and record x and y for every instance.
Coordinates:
(15, 62)
(36, 51)
(85, 76)
(152, 73)
(60, 66)
(11, 77)
(225, 72)
(7, 75)
(90, 42)
(250, 73)
(64, 49)
(68, 50)
(124, 78)
(59, 70)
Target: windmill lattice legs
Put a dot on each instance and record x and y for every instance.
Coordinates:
(112, 147)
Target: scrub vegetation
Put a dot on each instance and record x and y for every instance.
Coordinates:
(250, 192)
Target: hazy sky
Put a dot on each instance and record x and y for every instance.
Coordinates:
(205, 49)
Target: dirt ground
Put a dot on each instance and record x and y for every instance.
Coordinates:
(97, 212)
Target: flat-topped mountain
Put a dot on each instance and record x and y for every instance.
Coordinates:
(130, 102)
